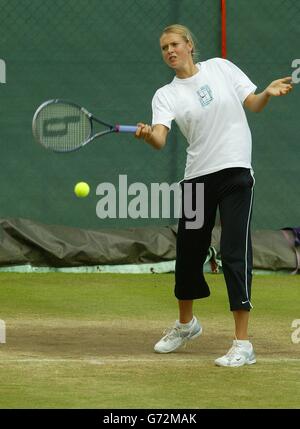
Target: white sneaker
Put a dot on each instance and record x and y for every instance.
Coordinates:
(239, 355)
(178, 336)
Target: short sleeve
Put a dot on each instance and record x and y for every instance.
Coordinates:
(161, 110)
(242, 84)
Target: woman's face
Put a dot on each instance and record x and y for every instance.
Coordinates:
(176, 51)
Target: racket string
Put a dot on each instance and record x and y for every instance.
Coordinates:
(62, 127)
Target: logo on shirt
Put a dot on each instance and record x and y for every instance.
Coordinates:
(205, 95)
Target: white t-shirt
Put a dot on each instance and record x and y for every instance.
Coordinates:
(208, 108)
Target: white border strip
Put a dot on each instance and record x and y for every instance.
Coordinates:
(115, 361)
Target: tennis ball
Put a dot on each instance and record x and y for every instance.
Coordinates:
(82, 189)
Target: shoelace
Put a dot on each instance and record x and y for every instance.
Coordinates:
(172, 332)
(232, 351)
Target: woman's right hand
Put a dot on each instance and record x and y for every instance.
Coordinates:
(144, 131)
(155, 135)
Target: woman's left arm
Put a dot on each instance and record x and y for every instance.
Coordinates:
(256, 102)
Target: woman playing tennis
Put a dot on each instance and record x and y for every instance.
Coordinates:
(207, 101)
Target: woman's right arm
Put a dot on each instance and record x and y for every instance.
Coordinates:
(155, 135)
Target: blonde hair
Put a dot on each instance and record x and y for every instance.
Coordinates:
(185, 33)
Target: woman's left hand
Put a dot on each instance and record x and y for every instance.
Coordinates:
(280, 87)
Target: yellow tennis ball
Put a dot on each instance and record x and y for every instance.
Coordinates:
(82, 189)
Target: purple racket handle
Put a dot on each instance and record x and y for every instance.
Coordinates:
(126, 128)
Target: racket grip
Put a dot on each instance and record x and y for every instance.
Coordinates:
(126, 128)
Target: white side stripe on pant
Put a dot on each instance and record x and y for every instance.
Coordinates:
(246, 247)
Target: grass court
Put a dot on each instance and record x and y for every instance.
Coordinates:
(86, 341)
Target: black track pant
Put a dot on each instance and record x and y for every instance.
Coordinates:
(232, 191)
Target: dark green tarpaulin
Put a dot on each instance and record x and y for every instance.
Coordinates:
(23, 241)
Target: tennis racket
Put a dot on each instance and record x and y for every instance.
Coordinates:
(62, 126)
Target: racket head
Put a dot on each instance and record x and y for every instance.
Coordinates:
(61, 126)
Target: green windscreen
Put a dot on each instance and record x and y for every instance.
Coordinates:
(105, 56)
